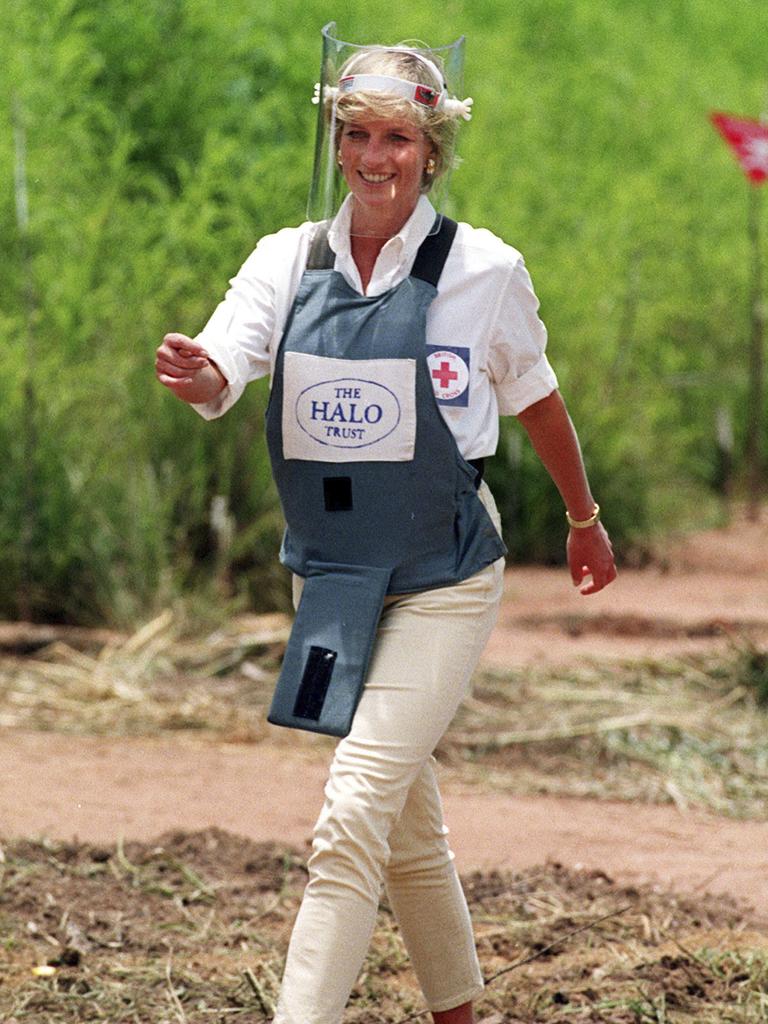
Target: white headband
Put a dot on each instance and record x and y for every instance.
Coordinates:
(424, 95)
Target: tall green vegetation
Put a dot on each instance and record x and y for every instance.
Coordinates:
(163, 137)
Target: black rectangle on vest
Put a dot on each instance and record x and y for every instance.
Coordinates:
(337, 493)
(315, 680)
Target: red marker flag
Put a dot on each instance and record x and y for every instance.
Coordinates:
(749, 141)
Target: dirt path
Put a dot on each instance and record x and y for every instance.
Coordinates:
(99, 789)
(711, 590)
(704, 594)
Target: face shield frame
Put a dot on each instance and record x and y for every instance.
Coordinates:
(328, 188)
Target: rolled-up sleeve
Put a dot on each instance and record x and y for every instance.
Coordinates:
(517, 363)
(240, 333)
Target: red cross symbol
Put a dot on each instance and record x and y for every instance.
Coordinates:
(445, 375)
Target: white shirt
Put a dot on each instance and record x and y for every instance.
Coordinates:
(485, 303)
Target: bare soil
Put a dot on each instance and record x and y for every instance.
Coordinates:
(193, 926)
(702, 595)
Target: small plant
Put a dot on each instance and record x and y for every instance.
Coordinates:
(754, 672)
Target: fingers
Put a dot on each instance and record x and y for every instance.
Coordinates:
(597, 580)
(578, 572)
(170, 376)
(174, 369)
(178, 359)
(180, 342)
(172, 382)
(590, 559)
(183, 351)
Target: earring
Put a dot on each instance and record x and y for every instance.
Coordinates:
(429, 167)
(338, 159)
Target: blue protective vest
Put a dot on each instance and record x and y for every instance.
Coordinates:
(377, 497)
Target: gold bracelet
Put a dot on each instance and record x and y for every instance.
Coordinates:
(582, 524)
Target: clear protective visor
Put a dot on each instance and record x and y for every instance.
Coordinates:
(349, 69)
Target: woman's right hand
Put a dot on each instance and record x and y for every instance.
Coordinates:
(186, 369)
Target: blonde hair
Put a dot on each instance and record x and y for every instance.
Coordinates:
(407, 63)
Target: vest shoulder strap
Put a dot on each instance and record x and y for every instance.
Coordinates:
(321, 255)
(433, 251)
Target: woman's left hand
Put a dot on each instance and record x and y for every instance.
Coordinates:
(590, 554)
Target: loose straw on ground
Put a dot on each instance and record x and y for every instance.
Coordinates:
(535, 956)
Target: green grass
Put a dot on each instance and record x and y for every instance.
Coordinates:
(152, 171)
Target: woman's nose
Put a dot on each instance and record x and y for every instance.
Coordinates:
(375, 153)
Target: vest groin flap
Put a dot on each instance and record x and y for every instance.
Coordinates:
(327, 656)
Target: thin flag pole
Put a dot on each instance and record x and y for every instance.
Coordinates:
(748, 139)
(29, 397)
(756, 395)
(756, 400)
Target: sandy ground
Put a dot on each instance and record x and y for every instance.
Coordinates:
(701, 595)
(99, 789)
(712, 591)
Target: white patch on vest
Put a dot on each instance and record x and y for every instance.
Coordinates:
(348, 410)
(449, 374)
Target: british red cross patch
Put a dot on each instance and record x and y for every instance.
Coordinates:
(449, 373)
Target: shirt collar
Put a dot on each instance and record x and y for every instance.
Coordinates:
(407, 240)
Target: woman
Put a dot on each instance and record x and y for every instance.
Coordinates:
(389, 281)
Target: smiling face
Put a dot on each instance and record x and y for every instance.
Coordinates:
(383, 161)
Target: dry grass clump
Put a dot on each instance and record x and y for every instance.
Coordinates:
(193, 928)
(153, 681)
(688, 730)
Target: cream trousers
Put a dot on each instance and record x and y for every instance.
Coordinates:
(382, 822)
